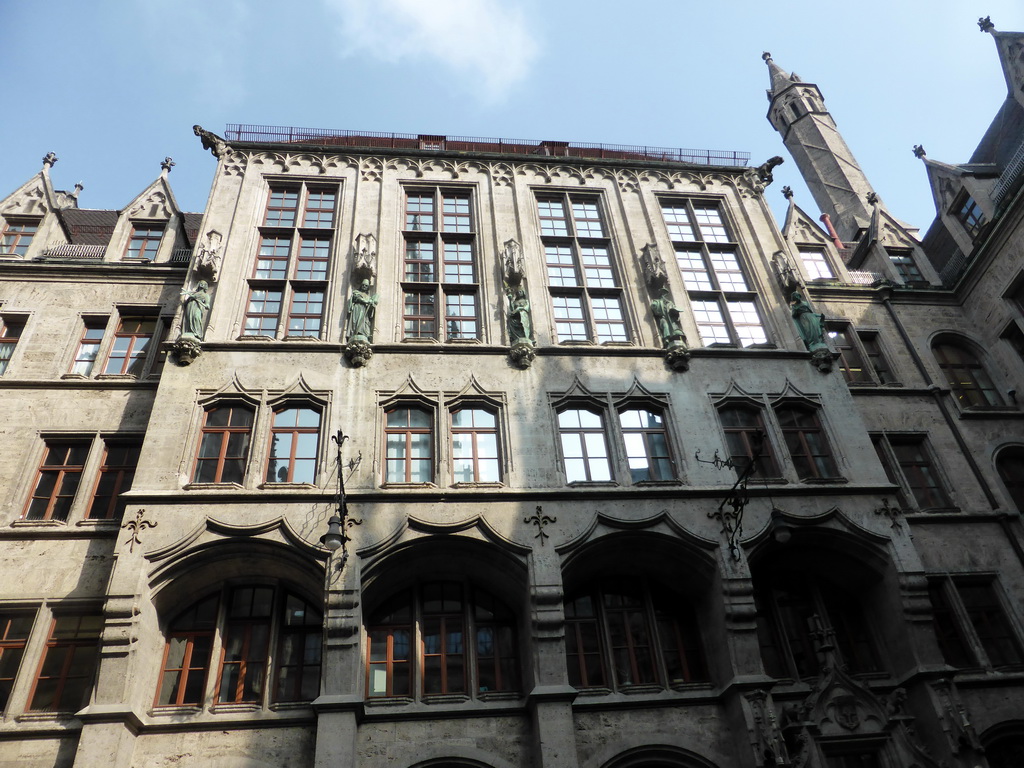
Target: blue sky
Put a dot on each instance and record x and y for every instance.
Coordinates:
(113, 86)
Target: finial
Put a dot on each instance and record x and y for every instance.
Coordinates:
(49, 159)
(918, 151)
(985, 24)
(78, 188)
(787, 192)
(766, 56)
(872, 198)
(166, 165)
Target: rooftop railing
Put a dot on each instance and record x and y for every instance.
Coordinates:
(72, 251)
(374, 139)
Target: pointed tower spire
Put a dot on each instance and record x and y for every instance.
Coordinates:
(839, 187)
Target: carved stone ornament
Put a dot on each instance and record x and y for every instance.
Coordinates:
(757, 179)
(358, 353)
(763, 728)
(186, 350)
(653, 267)
(49, 159)
(522, 354)
(211, 141)
(678, 359)
(513, 262)
(208, 256)
(956, 721)
(364, 257)
(785, 272)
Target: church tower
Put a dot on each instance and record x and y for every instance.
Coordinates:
(840, 188)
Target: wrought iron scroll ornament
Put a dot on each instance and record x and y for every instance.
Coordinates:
(339, 523)
(540, 520)
(730, 510)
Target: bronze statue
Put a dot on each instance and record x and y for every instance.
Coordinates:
(809, 323)
(197, 303)
(362, 306)
(520, 324)
(667, 316)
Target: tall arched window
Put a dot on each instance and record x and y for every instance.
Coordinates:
(797, 610)
(1010, 465)
(443, 637)
(623, 633)
(410, 446)
(266, 642)
(224, 446)
(966, 375)
(745, 437)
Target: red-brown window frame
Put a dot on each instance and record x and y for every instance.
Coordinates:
(408, 430)
(16, 236)
(90, 326)
(147, 235)
(473, 432)
(129, 360)
(801, 432)
(294, 432)
(225, 432)
(975, 387)
(124, 474)
(13, 640)
(750, 435)
(61, 471)
(74, 644)
(9, 324)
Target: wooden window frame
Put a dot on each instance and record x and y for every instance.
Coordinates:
(933, 496)
(225, 433)
(465, 618)
(821, 461)
(293, 433)
(447, 267)
(654, 613)
(74, 646)
(812, 260)
(1013, 478)
(62, 471)
(144, 241)
(132, 356)
(11, 329)
(15, 629)
(748, 437)
(17, 235)
(473, 433)
(973, 626)
(907, 268)
(93, 332)
(973, 387)
(582, 432)
(123, 475)
(702, 241)
(408, 431)
(645, 433)
(581, 233)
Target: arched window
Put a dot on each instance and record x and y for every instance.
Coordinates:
(625, 634)
(266, 642)
(643, 433)
(806, 441)
(797, 610)
(294, 444)
(584, 446)
(966, 375)
(224, 446)
(475, 446)
(443, 637)
(1010, 465)
(745, 437)
(410, 446)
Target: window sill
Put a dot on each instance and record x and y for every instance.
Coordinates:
(576, 343)
(76, 376)
(824, 480)
(175, 710)
(935, 511)
(409, 485)
(300, 339)
(420, 340)
(261, 338)
(989, 411)
(657, 483)
(445, 698)
(234, 708)
(117, 377)
(288, 486)
(498, 696)
(478, 485)
(593, 484)
(389, 701)
(640, 689)
(213, 487)
(39, 524)
(45, 717)
(98, 522)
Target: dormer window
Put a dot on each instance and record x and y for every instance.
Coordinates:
(968, 213)
(145, 241)
(17, 236)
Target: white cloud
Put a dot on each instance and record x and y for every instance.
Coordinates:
(482, 41)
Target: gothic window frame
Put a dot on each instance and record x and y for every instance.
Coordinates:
(415, 626)
(816, 263)
(284, 404)
(288, 289)
(972, 627)
(671, 460)
(934, 496)
(452, 237)
(474, 432)
(713, 256)
(565, 429)
(1012, 479)
(973, 388)
(225, 431)
(822, 460)
(220, 659)
(429, 409)
(588, 299)
(593, 635)
(862, 358)
(770, 468)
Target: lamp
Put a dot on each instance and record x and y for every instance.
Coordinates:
(338, 523)
(782, 531)
(334, 539)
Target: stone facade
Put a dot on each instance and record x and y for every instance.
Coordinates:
(542, 373)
